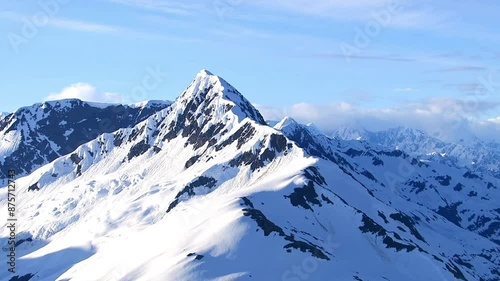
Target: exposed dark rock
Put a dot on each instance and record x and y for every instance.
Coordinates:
(138, 149)
(461, 262)
(266, 225)
(377, 162)
(196, 257)
(118, 139)
(26, 277)
(247, 202)
(303, 196)
(306, 247)
(353, 152)
(21, 241)
(391, 243)
(455, 271)
(269, 227)
(370, 226)
(326, 199)
(242, 135)
(458, 187)
(417, 186)
(254, 159)
(444, 180)
(277, 142)
(380, 214)
(191, 161)
(34, 187)
(409, 223)
(75, 158)
(450, 212)
(369, 175)
(394, 153)
(471, 175)
(135, 133)
(190, 189)
(312, 173)
(79, 170)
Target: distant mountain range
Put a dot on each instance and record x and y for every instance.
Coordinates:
(203, 188)
(475, 154)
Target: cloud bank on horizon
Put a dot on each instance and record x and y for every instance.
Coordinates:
(449, 119)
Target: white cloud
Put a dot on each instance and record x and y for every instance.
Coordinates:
(63, 23)
(404, 90)
(323, 7)
(162, 6)
(495, 120)
(447, 118)
(83, 26)
(86, 92)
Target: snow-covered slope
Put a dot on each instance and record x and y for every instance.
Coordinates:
(35, 135)
(473, 153)
(206, 190)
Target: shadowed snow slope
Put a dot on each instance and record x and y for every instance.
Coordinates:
(206, 190)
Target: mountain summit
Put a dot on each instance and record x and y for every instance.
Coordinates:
(211, 95)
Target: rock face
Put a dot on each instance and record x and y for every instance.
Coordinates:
(36, 135)
(206, 190)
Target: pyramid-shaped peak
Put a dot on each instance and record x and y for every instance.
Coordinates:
(285, 122)
(204, 72)
(212, 95)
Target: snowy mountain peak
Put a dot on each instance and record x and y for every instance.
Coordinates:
(210, 95)
(350, 133)
(285, 122)
(204, 72)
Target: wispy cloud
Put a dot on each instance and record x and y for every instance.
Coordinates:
(367, 57)
(468, 88)
(463, 68)
(85, 92)
(163, 6)
(63, 23)
(495, 120)
(86, 26)
(325, 8)
(403, 90)
(83, 26)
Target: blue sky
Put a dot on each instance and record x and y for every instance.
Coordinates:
(331, 62)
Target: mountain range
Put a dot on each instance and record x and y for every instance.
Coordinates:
(475, 154)
(36, 135)
(203, 188)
